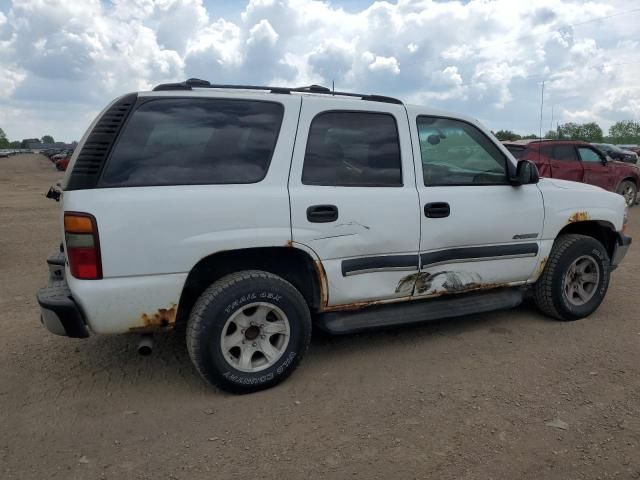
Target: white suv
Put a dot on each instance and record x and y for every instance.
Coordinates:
(247, 214)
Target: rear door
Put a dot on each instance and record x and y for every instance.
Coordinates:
(596, 169)
(564, 162)
(353, 196)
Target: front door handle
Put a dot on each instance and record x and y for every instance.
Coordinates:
(437, 210)
(322, 213)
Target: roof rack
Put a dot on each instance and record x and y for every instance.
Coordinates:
(192, 83)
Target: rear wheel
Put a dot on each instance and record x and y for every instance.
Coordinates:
(248, 331)
(629, 191)
(575, 279)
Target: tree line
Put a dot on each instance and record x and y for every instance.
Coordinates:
(6, 143)
(623, 132)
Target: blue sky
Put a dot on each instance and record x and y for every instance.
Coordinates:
(62, 61)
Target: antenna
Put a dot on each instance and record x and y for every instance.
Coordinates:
(541, 106)
(333, 87)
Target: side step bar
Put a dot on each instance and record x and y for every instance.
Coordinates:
(419, 311)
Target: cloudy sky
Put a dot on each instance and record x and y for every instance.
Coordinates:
(62, 61)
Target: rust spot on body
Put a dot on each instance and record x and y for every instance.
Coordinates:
(322, 279)
(289, 243)
(163, 318)
(579, 217)
(543, 263)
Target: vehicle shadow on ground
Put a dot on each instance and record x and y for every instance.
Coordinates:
(169, 366)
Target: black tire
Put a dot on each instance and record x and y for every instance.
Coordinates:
(219, 302)
(550, 296)
(629, 191)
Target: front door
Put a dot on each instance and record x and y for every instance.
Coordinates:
(477, 230)
(596, 170)
(353, 196)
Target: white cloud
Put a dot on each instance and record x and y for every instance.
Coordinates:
(384, 64)
(483, 58)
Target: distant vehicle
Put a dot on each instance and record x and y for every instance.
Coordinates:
(63, 163)
(4, 153)
(62, 160)
(632, 148)
(580, 162)
(617, 153)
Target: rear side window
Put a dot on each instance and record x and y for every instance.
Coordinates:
(565, 153)
(353, 149)
(516, 151)
(191, 141)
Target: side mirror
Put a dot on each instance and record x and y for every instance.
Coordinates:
(526, 173)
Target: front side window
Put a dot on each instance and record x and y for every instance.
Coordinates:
(457, 153)
(589, 156)
(353, 149)
(191, 141)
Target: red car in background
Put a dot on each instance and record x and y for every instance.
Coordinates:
(63, 163)
(579, 162)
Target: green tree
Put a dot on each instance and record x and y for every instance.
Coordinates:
(531, 136)
(625, 131)
(507, 135)
(15, 144)
(588, 132)
(4, 141)
(591, 132)
(48, 139)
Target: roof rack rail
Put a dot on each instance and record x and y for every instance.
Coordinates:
(198, 83)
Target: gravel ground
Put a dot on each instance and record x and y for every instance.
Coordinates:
(494, 396)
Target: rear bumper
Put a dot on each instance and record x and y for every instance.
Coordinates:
(58, 311)
(620, 249)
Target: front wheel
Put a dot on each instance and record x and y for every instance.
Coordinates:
(575, 279)
(629, 191)
(248, 331)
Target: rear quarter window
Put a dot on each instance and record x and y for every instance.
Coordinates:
(189, 141)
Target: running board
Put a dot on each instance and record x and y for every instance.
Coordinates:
(418, 311)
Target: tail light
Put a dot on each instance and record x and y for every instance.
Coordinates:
(83, 245)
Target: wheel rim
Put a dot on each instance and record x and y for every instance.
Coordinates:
(581, 280)
(628, 193)
(255, 337)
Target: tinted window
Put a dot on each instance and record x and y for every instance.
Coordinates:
(588, 155)
(564, 152)
(457, 153)
(195, 141)
(353, 149)
(516, 151)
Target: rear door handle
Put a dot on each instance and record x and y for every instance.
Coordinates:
(322, 213)
(437, 210)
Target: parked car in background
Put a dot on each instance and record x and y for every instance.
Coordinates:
(62, 161)
(617, 153)
(632, 148)
(4, 153)
(579, 162)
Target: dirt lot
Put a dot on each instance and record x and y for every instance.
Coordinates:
(462, 399)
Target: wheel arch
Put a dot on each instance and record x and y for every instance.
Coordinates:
(295, 265)
(601, 230)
